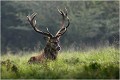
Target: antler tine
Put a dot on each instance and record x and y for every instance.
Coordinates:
(67, 17)
(33, 24)
(63, 29)
(31, 19)
(63, 15)
(59, 10)
(48, 31)
(66, 10)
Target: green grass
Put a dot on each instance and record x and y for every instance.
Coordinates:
(102, 63)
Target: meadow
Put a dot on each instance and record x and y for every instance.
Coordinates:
(101, 63)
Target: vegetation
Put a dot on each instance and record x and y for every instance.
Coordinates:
(102, 63)
(92, 23)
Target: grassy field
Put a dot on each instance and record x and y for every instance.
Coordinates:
(102, 63)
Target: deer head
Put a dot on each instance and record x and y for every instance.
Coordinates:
(52, 41)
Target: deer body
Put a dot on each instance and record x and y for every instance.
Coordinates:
(52, 45)
(36, 59)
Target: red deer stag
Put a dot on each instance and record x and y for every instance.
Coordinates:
(52, 46)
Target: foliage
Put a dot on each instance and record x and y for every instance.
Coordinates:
(102, 63)
(92, 23)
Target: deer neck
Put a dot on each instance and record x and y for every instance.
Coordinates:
(50, 53)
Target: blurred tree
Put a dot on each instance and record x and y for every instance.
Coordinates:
(92, 22)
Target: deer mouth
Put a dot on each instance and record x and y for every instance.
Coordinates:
(58, 48)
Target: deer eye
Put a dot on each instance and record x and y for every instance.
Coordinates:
(55, 42)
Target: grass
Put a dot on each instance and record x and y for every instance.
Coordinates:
(102, 63)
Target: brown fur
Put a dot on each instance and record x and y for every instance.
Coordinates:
(37, 59)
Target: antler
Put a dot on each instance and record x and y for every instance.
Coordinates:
(63, 29)
(33, 24)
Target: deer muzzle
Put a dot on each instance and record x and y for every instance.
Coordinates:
(58, 48)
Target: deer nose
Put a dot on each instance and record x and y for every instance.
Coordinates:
(58, 48)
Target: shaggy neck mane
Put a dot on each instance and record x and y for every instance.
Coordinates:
(50, 53)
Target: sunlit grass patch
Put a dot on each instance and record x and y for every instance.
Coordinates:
(95, 63)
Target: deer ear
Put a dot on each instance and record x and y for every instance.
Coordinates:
(58, 38)
(46, 38)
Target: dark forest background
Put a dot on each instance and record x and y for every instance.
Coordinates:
(93, 23)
